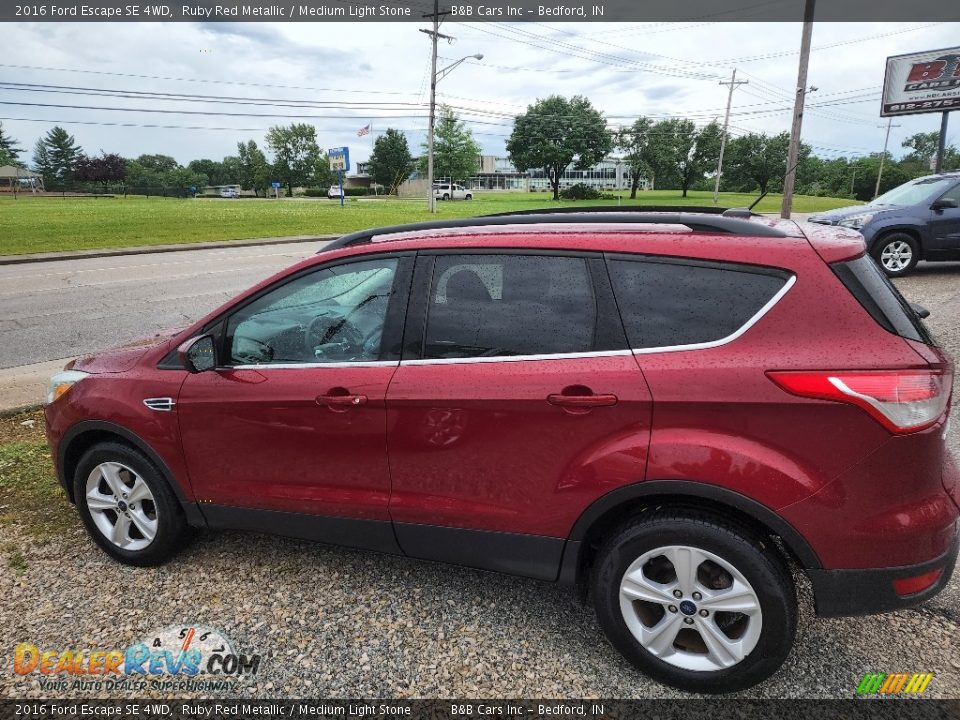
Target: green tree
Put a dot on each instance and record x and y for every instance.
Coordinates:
(390, 161)
(254, 168)
(60, 155)
(633, 141)
(295, 153)
(139, 176)
(158, 164)
(182, 179)
(231, 170)
(556, 132)
(456, 155)
(758, 161)
(41, 159)
(9, 149)
(923, 145)
(215, 172)
(679, 151)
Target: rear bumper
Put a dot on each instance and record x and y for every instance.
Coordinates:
(864, 592)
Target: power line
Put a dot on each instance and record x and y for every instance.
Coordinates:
(199, 80)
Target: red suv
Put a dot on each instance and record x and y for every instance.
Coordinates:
(671, 410)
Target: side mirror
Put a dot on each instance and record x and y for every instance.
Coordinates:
(945, 204)
(198, 354)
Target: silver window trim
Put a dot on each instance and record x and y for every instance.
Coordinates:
(791, 281)
(635, 351)
(298, 366)
(733, 336)
(518, 358)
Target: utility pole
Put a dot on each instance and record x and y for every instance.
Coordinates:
(853, 179)
(942, 145)
(883, 157)
(435, 35)
(794, 152)
(726, 121)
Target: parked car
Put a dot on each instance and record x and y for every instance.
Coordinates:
(229, 193)
(919, 220)
(594, 399)
(446, 191)
(335, 193)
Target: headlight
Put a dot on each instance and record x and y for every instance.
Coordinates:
(856, 222)
(63, 381)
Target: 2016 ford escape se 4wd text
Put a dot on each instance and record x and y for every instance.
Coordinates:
(669, 410)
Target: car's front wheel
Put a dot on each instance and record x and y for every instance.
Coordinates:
(897, 254)
(694, 602)
(127, 506)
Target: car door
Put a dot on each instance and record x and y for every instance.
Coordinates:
(294, 418)
(516, 405)
(945, 226)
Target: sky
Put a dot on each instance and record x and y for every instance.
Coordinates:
(342, 76)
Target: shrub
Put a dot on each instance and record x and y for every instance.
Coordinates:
(580, 191)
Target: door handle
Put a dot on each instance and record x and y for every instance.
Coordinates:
(582, 401)
(340, 401)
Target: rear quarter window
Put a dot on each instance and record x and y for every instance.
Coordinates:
(667, 303)
(878, 296)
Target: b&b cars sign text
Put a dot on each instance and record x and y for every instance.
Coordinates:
(922, 82)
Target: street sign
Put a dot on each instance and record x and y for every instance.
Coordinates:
(275, 185)
(339, 159)
(923, 82)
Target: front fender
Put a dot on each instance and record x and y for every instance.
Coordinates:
(911, 226)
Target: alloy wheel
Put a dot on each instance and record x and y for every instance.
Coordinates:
(896, 256)
(690, 608)
(121, 506)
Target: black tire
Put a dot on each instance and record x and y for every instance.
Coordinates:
(757, 561)
(468, 197)
(894, 244)
(445, 197)
(171, 531)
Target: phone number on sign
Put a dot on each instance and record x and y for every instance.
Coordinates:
(945, 104)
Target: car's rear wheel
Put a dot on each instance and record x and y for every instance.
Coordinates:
(446, 196)
(694, 602)
(897, 254)
(127, 506)
(468, 196)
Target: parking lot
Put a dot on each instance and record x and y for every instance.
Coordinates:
(330, 622)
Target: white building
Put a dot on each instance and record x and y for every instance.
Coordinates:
(498, 173)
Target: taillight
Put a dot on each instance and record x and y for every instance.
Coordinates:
(904, 401)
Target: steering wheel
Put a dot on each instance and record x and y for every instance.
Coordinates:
(327, 331)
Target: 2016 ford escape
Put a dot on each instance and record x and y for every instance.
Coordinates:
(668, 409)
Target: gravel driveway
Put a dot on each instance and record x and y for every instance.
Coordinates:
(330, 622)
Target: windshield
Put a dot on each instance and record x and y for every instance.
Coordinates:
(914, 192)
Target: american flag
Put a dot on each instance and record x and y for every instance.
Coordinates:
(363, 131)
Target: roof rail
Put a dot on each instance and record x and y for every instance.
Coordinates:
(698, 222)
(703, 210)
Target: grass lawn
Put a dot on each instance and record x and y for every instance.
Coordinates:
(49, 224)
(30, 495)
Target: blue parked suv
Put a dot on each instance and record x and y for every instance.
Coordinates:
(919, 220)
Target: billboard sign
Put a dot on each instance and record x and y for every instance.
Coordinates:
(922, 83)
(339, 159)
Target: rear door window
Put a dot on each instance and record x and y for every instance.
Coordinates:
(667, 303)
(508, 305)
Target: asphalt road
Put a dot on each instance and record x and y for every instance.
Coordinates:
(64, 308)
